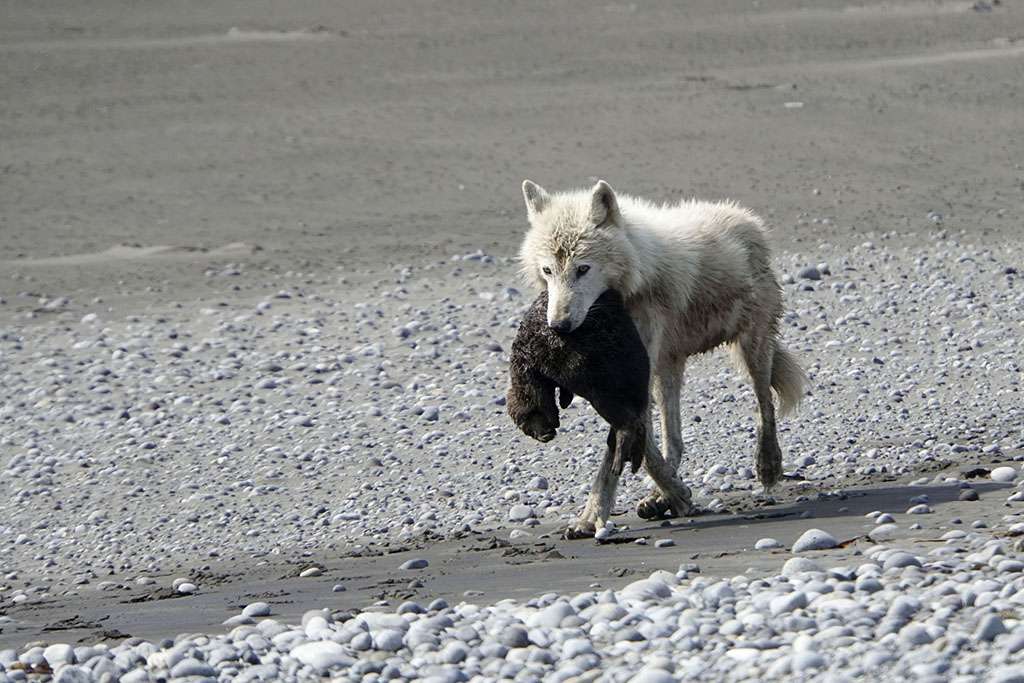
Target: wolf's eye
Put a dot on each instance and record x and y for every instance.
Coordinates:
(582, 270)
(546, 270)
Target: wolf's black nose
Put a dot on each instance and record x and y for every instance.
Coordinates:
(561, 326)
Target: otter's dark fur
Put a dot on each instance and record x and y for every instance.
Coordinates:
(603, 360)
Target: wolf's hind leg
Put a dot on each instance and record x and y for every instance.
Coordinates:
(757, 355)
(599, 503)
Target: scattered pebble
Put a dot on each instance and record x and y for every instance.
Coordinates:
(416, 563)
(814, 539)
(1003, 474)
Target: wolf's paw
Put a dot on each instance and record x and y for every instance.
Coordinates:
(652, 507)
(680, 502)
(580, 529)
(656, 506)
(769, 465)
(537, 425)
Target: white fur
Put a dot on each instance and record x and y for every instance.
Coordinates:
(693, 275)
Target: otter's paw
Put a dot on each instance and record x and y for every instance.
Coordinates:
(579, 530)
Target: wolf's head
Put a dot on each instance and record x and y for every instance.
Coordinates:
(575, 249)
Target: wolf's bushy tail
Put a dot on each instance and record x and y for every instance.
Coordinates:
(788, 380)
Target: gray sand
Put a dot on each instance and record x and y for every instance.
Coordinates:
(258, 287)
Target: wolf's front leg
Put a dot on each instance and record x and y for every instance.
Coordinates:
(672, 494)
(599, 502)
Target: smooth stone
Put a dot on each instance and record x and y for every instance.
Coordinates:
(59, 653)
(969, 495)
(70, 673)
(1003, 474)
(877, 658)
(1006, 674)
(417, 563)
(814, 539)
(311, 572)
(799, 565)
(900, 559)
(322, 655)
(187, 587)
(990, 627)
(920, 509)
(787, 602)
(651, 675)
(520, 513)
(388, 640)
(553, 615)
(883, 532)
(574, 647)
(1010, 567)
(802, 661)
(767, 544)
(646, 589)
(192, 667)
(809, 273)
(903, 608)
(256, 609)
(514, 637)
(914, 635)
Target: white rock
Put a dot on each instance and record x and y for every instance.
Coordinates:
(256, 609)
(799, 565)
(990, 627)
(802, 661)
(646, 589)
(1003, 474)
(883, 532)
(520, 513)
(416, 563)
(767, 544)
(59, 653)
(814, 539)
(322, 655)
(787, 602)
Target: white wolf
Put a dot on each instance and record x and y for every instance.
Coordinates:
(693, 276)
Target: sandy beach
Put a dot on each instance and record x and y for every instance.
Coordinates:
(258, 285)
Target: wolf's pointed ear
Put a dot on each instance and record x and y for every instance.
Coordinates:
(604, 206)
(536, 197)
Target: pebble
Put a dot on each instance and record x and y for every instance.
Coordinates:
(322, 656)
(883, 532)
(989, 627)
(256, 609)
(809, 273)
(415, 563)
(1003, 474)
(899, 559)
(520, 513)
(767, 544)
(798, 565)
(814, 539)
